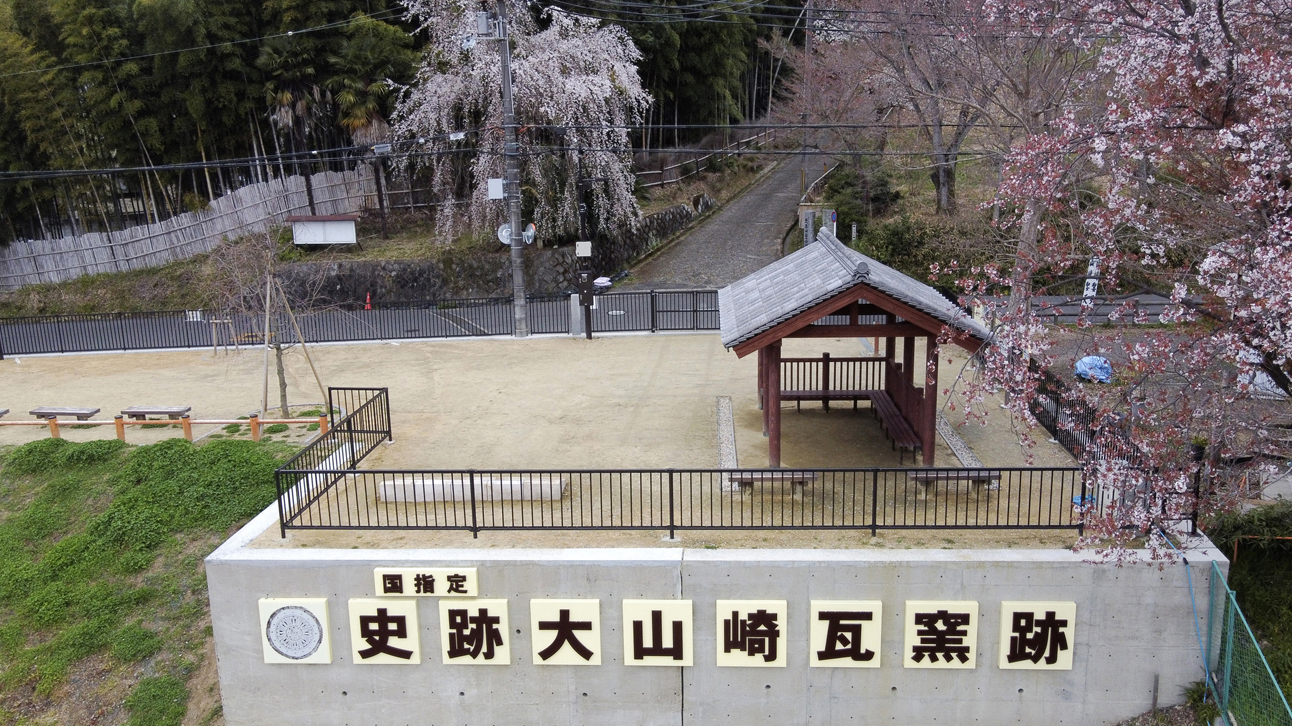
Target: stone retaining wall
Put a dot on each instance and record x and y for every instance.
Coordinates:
(547, 271)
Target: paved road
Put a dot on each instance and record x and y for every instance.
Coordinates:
(740, 238)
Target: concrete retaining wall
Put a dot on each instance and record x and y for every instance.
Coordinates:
(1132, 623)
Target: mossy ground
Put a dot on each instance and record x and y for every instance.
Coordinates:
(103, 605)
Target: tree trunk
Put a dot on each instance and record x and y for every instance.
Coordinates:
(282, 379)
(1025, 257)
(944, 181)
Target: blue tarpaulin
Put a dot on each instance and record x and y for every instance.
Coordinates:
(1095, 368)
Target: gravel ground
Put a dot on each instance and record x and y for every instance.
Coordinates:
(742, 237)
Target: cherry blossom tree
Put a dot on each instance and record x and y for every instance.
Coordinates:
(1178, 177)
(576, 87)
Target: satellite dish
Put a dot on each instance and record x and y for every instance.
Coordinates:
(530, 232)
(504, 233)
(468, 42)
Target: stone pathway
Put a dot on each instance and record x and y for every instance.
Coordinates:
(740, 238)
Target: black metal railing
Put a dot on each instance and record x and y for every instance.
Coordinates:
(358, 422)
(681, 499)
(1078, 425)
(616, 312)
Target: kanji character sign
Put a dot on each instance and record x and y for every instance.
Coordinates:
(751, 633)
(475, 632)
(1037, 635)
(426, 581)
(845, 633)
(565, 632)
(658, 633)
(941, 634)
(384, 630)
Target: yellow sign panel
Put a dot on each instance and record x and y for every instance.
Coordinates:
(425, 582)
(941, 634)
(658, 633)
(845, 633)
(384, 630)
(752, 633)
(475, 632)
(1037, 635)
(565, 632)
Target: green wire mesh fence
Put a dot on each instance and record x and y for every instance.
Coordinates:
(1241, 682)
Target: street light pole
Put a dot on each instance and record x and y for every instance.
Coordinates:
(511, 160)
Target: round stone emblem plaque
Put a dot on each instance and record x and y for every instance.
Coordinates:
(293, 632)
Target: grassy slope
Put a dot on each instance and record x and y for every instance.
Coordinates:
(103, 606)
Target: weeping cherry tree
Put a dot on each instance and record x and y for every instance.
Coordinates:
(576, 88)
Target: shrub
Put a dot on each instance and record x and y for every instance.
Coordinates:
(232, 428)
(158, 701)
(134, 642)
(35, 457)
(275, 428)
(92, 453)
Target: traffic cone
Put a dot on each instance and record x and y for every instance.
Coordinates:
(367, 303)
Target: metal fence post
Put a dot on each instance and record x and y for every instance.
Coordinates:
(282, 515)
(671, 524)
(874, 503)
(1228, 642)
(1081, 510)
(121, 329)
(653, 325)
(475, 530)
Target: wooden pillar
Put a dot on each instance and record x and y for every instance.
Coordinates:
(890, 352)
(762, 378)
(825, 381)
(120, 423)
(774, 405)
(908, 358)
(187, 425)
(928, 417)
(762, 385)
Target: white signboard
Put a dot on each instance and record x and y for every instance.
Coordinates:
(495, 189)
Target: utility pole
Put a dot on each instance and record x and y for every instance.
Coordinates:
(511, 160)
(807, 78)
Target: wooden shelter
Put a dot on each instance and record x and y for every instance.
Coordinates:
(827, 290)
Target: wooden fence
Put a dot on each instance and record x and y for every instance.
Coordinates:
(248, 210)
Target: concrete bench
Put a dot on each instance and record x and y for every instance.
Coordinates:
(978, 478)
(488, 488)
(796, 479)
(140, 413)
(81, 414)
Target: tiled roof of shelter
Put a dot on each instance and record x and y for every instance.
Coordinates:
(818, 272)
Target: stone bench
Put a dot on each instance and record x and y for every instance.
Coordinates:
(796, 479)
(978, 478)
(140, 413)
(81, 414)
(488, 488)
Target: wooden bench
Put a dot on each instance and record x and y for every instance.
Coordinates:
(797, 479)
(826, 396)
(895, 425)
(976, 477)
(141, 413)
(81, 414)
